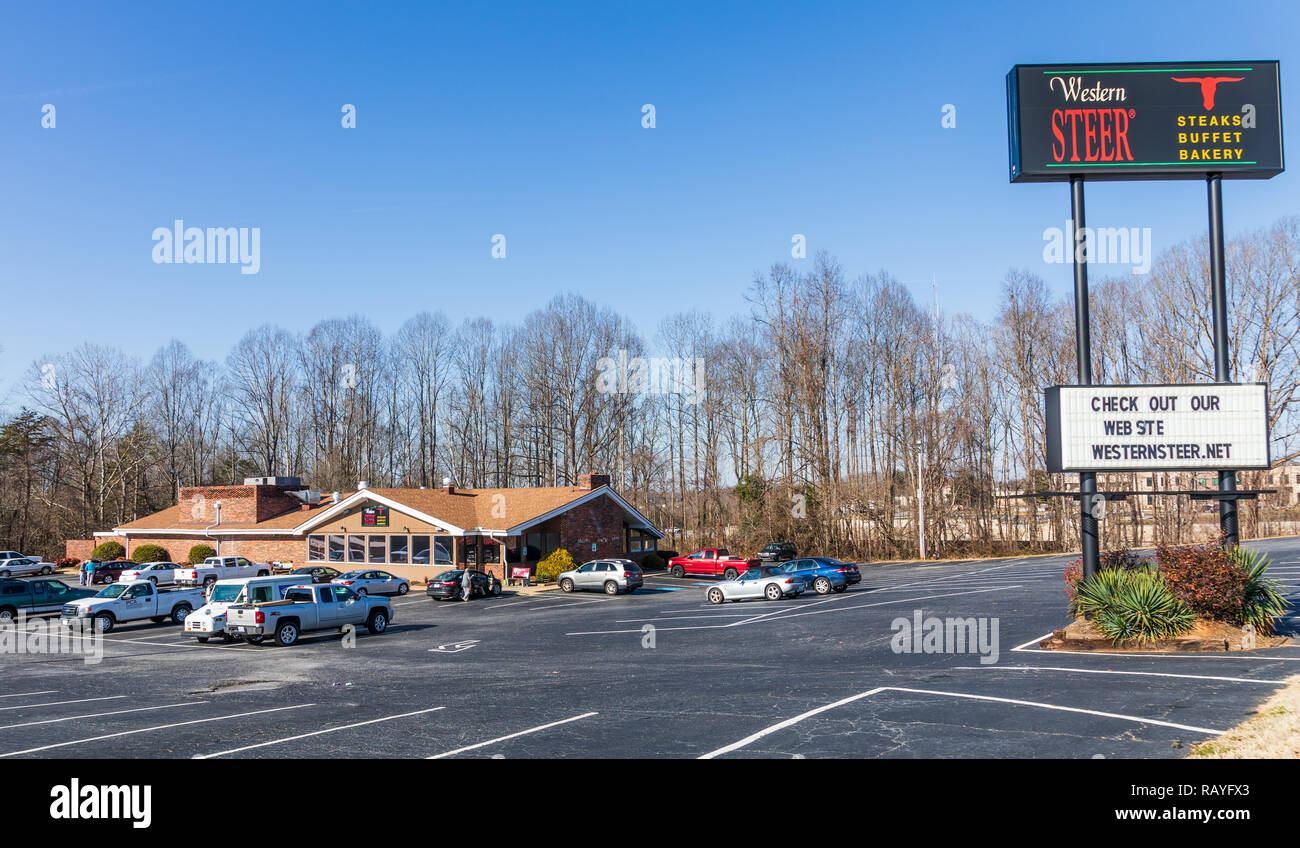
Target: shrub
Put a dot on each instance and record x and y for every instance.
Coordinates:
(1122, 559)
(1205, 578)
(150, 553)
(107, 551)
(557, 561)
(67, 562)
(198, 553)
(1133, 605)
(1263, 604)
(653, 561)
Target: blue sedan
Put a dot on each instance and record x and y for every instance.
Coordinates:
(819, 574)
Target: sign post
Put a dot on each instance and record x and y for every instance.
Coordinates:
(1147, 121)
(1222, 364)
(1083, 360)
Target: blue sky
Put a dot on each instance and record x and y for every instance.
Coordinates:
(476, 118)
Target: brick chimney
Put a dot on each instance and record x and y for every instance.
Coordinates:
(448, 487)
(592, 481)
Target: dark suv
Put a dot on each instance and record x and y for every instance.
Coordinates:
(777, 552)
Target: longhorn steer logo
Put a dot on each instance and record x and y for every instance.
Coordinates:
(1208, 86)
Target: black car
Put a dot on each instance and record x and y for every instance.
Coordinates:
(319, 573)
(447, 585)
(777, 552)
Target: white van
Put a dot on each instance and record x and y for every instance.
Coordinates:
(210, 619)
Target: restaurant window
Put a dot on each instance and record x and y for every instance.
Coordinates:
(442, 550)
(491, 551)
(315, 548)
(419, 550)
(377, 549)
(541, 544)
(336, 548)
(397, 550)
(356, 549)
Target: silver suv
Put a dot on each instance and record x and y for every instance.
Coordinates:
(610, 576)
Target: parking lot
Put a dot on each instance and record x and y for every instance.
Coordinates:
(660, 673)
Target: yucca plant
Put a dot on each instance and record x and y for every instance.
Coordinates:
(1264, 603)
(1133, 605)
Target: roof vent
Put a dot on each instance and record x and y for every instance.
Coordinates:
(336, 497)
(364, 484)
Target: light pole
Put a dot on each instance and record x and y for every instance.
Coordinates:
(920, 499)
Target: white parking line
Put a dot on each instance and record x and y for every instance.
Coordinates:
(510, 736)
(26, 694)
(151, 729)
(59, 703)
(1110, 671)
(315, 733)
(1045, 706)
(100, 715)
(767, 731)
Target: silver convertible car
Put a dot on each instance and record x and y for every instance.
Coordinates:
(765, 581)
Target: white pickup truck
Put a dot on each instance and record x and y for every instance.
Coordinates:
(210, 619)
(122, 602)
(220, 568)
(307, 608)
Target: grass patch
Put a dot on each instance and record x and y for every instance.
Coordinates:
(1274, 732)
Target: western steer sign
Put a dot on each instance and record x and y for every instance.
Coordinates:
(1220, 426)
(1164, 120)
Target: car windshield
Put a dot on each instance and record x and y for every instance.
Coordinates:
(773, 571)
(225, 594)
(112, 591)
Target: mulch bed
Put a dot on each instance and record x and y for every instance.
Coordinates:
(1216, 636)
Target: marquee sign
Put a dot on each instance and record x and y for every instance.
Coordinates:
(1183, 427)
(374, 516)
(1165, 120)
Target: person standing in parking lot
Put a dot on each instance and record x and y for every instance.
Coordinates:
(466, 584)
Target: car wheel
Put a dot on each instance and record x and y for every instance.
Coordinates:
(153, 580)
(4, 574)
(678, 571)
(611, 588)
(378, 622)
(403, 588)
(716, 596)
(108, 578)
(208, 581)
(286, 634)
(103, 622)
(496, 590)
(773, 592)
(180, 613)
(822, 585)
(6, 616)
(730, 574)
(47, 570)
(566, 585)
(361, 592)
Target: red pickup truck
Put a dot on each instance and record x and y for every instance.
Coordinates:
(710, 562)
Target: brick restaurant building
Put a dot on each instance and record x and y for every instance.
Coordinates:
(411, 532)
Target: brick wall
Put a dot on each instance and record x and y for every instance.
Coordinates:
(600, 522)
(239, 504)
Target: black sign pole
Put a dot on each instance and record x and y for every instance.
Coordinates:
(1083, 356)
(1222, 364)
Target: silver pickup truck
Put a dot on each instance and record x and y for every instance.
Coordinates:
(307, 608)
